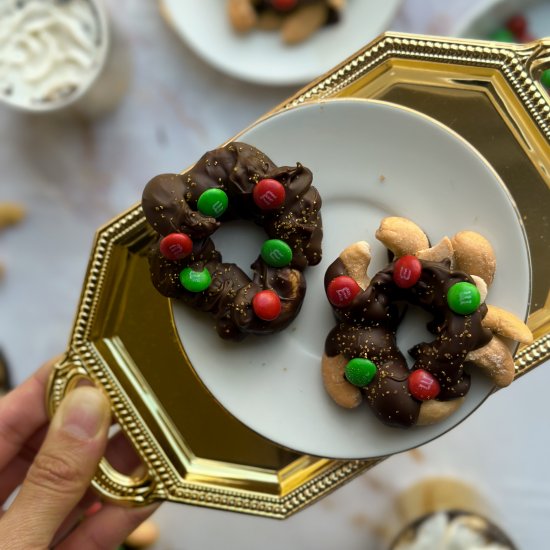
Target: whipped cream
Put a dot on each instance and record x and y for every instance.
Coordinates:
(50, 51)
(441, 532)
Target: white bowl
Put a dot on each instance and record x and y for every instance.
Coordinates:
(489, 15)
(88, 79)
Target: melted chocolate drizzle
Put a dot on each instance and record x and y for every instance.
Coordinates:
(367, 328)
(170, 205)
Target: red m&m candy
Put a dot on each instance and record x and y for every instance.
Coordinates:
(283, 5)
(517, 25)
(342, 290)
(266, 305)
(176, 246)
(269, 194)
(406, 271)
(423, 386)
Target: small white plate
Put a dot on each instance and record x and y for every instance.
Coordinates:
(369, 160)
(260, 56)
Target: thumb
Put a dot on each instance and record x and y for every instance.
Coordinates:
(62, 470)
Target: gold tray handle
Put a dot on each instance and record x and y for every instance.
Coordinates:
(123, 489)
(537, 59)
(109, 483)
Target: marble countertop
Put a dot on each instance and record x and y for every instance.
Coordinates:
(76, 175)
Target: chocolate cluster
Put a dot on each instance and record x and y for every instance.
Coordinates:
(367, 328)
(171, 205)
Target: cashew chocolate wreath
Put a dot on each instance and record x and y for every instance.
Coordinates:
(232, 182)
(448, 280)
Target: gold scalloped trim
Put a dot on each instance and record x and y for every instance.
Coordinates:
(513, 61)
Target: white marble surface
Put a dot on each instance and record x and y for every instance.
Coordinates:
(75, 175)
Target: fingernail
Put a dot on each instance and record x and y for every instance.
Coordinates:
(84, 412)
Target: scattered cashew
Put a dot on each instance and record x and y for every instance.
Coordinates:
(10, 214)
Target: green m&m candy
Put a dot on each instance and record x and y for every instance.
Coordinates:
(502, 35)
(195, 281)
(463, 298)
(360, 372)
(213, 202)
(276, 253)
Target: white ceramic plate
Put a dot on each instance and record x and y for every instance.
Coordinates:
(488, 15)
(369, 160)
(261, 57)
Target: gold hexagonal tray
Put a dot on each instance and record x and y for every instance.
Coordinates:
(124, 339)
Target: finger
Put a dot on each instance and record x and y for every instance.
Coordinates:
(90, 498)
(15, 472)
(119, 453)
(22, 412)
(106, 529)
(123, 458)
(61, 471)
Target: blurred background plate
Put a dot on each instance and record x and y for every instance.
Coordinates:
(261, 56)
(488, 16)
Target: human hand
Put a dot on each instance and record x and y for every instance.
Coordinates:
(53, 464)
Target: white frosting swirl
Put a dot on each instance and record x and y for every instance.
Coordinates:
(50, 50)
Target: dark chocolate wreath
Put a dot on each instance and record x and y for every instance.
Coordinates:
(367, 333)
(236, 181)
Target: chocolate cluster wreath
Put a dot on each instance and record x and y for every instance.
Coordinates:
(297, 20)
(236, 181)
(448, 280)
